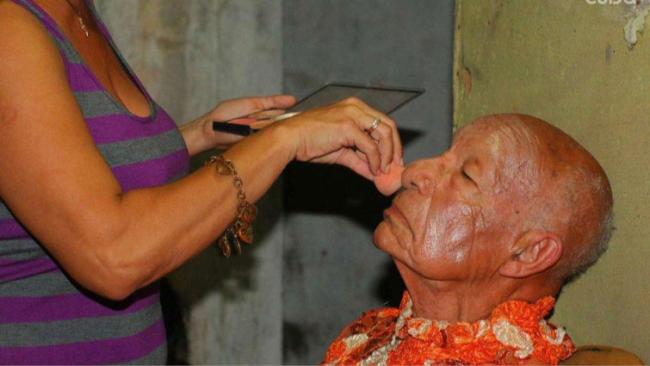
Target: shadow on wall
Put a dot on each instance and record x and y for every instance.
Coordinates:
(333, 191)
(229, 277)
(296, 337)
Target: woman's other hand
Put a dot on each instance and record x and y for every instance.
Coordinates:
(342, 134)
(199, 135)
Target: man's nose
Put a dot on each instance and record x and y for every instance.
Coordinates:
(421, 175)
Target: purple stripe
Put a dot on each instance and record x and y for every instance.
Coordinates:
(152, 172)
(80, 80)
(120, 127)
(30, 309)
(11, 229)
(15, 270)
(108, 351)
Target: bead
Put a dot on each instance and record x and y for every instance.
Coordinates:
(224, 246)
(249, 214)
(245, 234)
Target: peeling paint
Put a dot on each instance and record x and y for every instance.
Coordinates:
(636, 21)
(609, 54)
(467, 80)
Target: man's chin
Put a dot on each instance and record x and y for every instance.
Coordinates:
(379, 236)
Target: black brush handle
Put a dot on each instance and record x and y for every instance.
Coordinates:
(235, 129)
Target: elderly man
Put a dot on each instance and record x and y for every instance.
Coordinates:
(484, 237)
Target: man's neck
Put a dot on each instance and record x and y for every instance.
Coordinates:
(452, 302)
(466, 301)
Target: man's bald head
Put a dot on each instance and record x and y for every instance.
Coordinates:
(570, 195)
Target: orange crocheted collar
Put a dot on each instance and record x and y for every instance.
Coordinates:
(515, 332)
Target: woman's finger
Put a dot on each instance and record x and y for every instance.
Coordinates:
(274, 102)
(355, 161)
(388, 184)
(364, 121)
(383, 132)
(267, 114)
(398, 149)
(364, 143)
(236, 108)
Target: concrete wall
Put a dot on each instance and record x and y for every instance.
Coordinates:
(332, 271)
(567, 62)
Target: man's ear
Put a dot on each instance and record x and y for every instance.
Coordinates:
(533, 253)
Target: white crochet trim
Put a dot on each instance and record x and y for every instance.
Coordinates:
(513, 336)
(355, 340)
(483, 328)
(379, 356)
(560, 333)
(442, 324)
(423, 328)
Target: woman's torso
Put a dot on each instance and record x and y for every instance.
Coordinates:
(44, 316)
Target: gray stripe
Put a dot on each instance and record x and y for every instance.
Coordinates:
(68, 50)
(4, 212)
(143, 149)
(157, 357)
(78, 330)
(97, 104)
(21, 247)
(46, 284)
(21, 250)
(66, 47)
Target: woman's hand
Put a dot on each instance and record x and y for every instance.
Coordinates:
(199, 135)
(342, 134)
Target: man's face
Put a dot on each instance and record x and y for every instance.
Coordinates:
(457, 214)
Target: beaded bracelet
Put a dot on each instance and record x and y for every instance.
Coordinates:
(241, 230)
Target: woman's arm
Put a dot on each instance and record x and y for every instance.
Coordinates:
(58, 185)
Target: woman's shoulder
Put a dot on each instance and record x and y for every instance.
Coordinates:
(20, 24)
(24, 40)
(13, 14)
(29, 57)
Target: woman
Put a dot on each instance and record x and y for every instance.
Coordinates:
(93, 176)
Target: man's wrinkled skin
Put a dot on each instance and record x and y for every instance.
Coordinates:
(508, 212)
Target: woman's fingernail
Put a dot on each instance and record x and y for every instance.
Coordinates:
(401, 161)
(387, 169)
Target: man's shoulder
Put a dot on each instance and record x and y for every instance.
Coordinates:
(353, 343)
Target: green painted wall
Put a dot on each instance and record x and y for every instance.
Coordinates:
(568, 62)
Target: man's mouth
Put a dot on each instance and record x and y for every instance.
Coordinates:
(394, 215)
(396, 218)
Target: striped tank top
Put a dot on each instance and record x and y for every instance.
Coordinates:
(45, 318)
